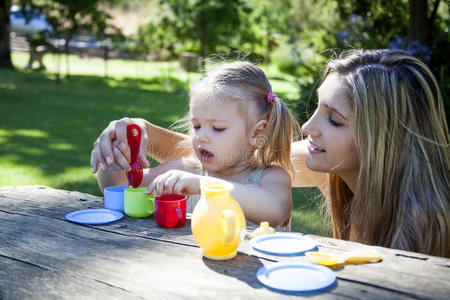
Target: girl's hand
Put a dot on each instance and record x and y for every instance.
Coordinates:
(176, 182)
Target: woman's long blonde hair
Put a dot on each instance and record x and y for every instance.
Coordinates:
(402, 139)
(243, 81)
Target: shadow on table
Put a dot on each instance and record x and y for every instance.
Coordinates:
(244, 268)
(308, 294)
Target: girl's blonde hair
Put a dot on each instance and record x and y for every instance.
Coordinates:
(244, 81)
(402, 140)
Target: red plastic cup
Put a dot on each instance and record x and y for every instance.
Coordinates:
(170, 210)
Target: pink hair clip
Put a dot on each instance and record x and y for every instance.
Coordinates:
(270, 97)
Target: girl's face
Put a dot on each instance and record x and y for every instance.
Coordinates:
(220, 140)
(330, 132)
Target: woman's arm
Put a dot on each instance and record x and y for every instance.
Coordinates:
(111, 147)
(111, 150)
(304, 177)
(166, 145)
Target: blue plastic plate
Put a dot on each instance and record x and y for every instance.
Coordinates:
(283, 244)
(295, 277)
(94, 216)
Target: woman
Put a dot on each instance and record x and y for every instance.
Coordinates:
(377, 147)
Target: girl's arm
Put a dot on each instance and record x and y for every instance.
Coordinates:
(270, 201)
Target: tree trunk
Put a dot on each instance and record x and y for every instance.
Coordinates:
(66, 46)
(58, 56)
(5, 51)
(69, 36)
(105, 58)
(202, 36)
(267, 58)
(419, 23)
(66, 51)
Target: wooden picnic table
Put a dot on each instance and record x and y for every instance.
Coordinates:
(43, 256)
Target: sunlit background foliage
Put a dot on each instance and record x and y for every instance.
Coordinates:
(143, 66)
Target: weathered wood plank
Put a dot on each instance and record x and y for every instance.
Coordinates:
(42, 259)
(408, 272)
(400, 274)
(56, 204)
(22, 280)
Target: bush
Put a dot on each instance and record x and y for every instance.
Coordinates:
(284, 58)
(190, 61)
(305, 59)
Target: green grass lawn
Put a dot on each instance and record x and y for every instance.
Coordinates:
(47, 129)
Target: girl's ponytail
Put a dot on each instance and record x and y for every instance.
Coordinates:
(274, 145)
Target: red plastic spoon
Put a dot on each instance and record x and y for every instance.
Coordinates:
(134, 141)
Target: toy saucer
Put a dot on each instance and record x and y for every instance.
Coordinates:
(94, 216)
(295, 277)
(283, 244)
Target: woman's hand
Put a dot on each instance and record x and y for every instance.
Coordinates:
(111, 147)
(176, 182)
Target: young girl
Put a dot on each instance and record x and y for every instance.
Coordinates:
(377, 147)
(240, 132)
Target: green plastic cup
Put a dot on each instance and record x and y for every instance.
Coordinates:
(137, 204)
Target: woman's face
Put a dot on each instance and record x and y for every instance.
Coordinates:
(330, 132)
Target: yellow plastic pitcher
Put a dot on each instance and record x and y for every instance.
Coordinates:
(217, 221)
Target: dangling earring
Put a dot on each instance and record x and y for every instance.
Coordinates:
(261, 141)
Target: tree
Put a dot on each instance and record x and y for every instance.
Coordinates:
(68, 17)
(420, 23)
(268, 19)
(418, 20)
(198, 25)
(419, 27)
(382, 20)
(5, 51)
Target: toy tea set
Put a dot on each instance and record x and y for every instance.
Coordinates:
(217, 225)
